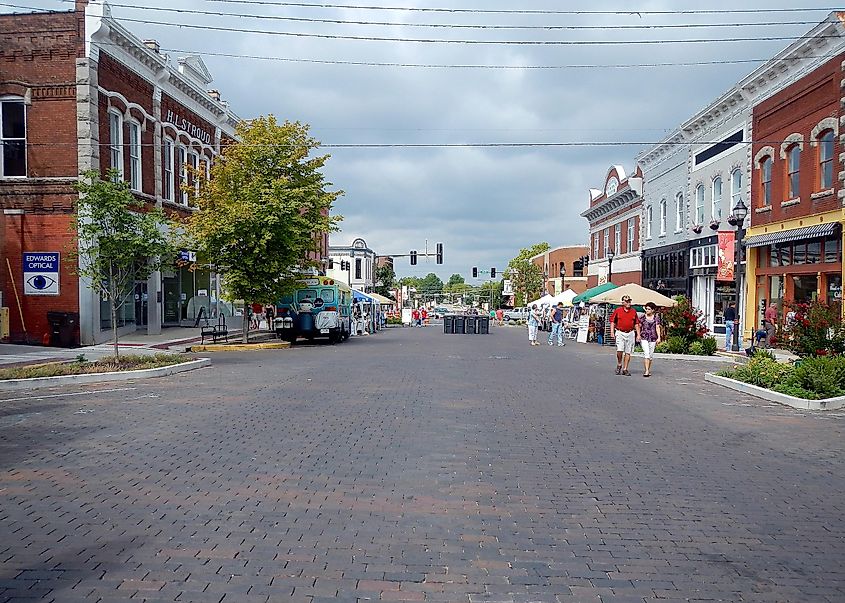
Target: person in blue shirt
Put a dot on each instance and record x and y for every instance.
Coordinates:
(557, 325)
(533, 323)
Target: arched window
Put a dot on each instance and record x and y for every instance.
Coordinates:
(766, 181)
(663, 217)
(699, 204)
(12, 137)
(116, 142)
(826, 139)
(793, 171)
(716, 202)
(679, 212)
(736, 187)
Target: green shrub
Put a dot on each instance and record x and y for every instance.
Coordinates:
(676, 345)
(710, 345)
(762, 353)
(392, 320)
(696, 348)
(662, 348)
(760, 371)
(816, 329)
(684, 321)
(823, 377)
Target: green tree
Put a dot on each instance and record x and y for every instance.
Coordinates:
(430, 285)
(455, 279)
(262, 213)
(526, 276)
(491, 292)
(120, 240)
(385, 280)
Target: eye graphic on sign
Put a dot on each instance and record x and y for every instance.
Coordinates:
(41, 282)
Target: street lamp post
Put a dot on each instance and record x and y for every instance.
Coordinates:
(562, 277)
(739, 214)
(610, 256)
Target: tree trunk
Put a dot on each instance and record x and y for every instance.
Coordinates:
(113, 293)
(245, 333)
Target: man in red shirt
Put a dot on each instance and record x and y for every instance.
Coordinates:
(625, 327)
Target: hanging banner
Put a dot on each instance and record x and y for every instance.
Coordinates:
(725, 269)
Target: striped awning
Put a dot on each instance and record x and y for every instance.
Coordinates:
(796, 234)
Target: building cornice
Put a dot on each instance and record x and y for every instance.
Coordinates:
(618, 201)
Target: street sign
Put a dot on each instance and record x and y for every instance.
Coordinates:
(41, 273)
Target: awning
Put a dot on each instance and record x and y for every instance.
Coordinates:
(795, 234)
(591, 293)
(384, 301)
(359, 296)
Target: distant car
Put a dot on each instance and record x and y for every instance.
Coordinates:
(516, 314)
(440, 312)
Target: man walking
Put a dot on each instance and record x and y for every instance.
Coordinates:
(771, 323)
(730, 325)
(625, 327)
(557, 325)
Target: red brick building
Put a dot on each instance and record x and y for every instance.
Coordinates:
(80, 92)
(614, 215)
(573, 259)
(795, 240)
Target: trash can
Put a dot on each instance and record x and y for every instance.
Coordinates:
(483, 325)
(471, 322)
(64, 329)
(448, 323)
(460, 323)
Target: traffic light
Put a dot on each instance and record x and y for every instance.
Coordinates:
(440, 253)
(475, 272)
(492, 273)
(414, 257)
(331, 264)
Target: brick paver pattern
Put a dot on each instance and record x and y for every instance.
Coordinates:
(418, 466)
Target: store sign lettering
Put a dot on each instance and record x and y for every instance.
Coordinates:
(192, 129)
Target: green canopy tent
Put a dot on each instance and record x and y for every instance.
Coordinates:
(591, 293)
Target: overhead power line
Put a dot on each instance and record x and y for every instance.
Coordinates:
(530, 11)
(475, 42)
(188, 11)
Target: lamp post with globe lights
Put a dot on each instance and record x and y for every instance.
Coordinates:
(610, 256)
(737, 218)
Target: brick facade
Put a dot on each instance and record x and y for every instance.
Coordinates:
(68, 97)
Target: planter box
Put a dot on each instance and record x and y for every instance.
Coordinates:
(772, 396)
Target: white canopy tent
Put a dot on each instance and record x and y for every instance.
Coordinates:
(564, 297)
(546, 300)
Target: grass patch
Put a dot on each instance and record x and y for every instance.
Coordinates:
(81, 366)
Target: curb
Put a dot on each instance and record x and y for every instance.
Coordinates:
(767, 394)
(11, 385)
(690, 357)
(240, 347)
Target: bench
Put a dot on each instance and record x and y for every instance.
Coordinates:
(216, 332)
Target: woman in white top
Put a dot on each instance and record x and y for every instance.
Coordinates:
(534, 318)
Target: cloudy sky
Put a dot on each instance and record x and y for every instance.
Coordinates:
(483, 202)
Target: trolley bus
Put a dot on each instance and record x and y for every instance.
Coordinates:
(320, 308)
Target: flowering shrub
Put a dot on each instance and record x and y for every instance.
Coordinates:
(684, 321)
(815, 329)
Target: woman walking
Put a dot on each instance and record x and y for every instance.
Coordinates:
(534, 318)
(651, 334)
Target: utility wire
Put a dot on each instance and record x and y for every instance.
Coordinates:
(450, 25)
(478, 42)
(638, 13)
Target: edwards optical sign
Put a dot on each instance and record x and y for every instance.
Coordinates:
(41, 273)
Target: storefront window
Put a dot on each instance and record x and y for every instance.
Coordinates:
(125, 314)
(785, 254)
(773, 256)
(723, 295)
(834, 288)
(814, 251)
(832, 253)
(805, 288)
(776, 290)
(799, 253)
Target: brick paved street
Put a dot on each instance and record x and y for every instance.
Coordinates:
(415, 466)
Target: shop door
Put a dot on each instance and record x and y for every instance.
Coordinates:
(141, 304)
(171, 303)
